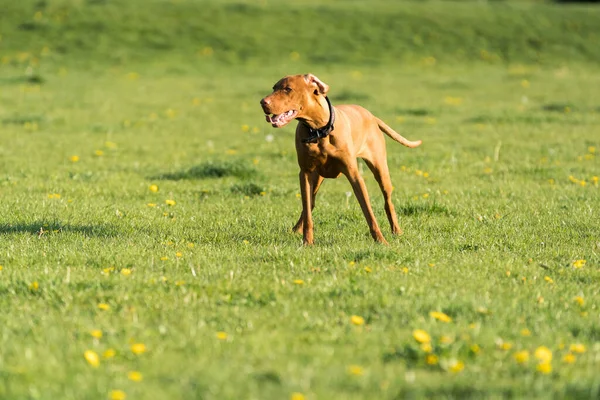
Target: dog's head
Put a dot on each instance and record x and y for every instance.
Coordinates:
(291, 98)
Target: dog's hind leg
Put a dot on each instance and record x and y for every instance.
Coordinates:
(380, 170)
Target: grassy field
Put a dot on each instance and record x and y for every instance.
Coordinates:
(146, 207)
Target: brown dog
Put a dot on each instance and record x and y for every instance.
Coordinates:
(328, 142)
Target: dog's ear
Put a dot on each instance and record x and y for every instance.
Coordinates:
(322, 87)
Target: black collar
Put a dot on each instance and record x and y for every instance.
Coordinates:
(316, 134)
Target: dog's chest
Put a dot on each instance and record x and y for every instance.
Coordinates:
(318, 157)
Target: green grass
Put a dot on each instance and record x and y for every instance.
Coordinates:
(495, 188)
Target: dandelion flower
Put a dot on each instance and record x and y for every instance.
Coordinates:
(525, 332)
(179, 254)
(543, 354)
(544, 368)
(99, 153)
(222, 335)
(426, 347)
(34, 286)
(475, 349)
(135, 376)
(577, 348)
(578, 264)
(96, 333)
(153, 188)
(126, 272)
(297, 396)
(548, 279)
(521, 357)
(109, 353)
(92, 358)
(74, 159)
(138, 348)
(421, 336)
(431, 359)
(456, 366)
(117, 395)
(164, 258)
(245, 128)
(446, 339)
(151, 204)
(103, 306)
(298, 282)
(355, 370)
(440, 316)
(357, 320)
(170, 202)
(579, 300)
(569, 358)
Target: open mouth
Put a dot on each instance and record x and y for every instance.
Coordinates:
(279, 120)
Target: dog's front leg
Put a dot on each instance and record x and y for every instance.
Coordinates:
(307, 222)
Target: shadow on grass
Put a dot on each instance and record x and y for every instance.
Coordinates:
(211, 169)
(415, 209)
(44, 228)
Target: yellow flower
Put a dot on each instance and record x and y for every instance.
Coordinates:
(99, 153)
(126, 272)
(0, 267)
(103, 306)
(502, 345)
(431, 359)
(170, 202)
(222, 335)
(355, 370)
(421, 336)
(297, 396)
(164, 258)
(179, 283)
(475, 349)
(179, 254)
(96, 333)
(368, 269)
(138, 348)
(92, 358)
(151, 204)
(543, 354)
(548, 279)
(74, 158)
(525, 83)
(426, 347)
(404, 270)
(456, 366)
(569, 358)
(544, 367)
(357, 320)
(170, 113)
(34, 286)
(135, 376)
(54, 196)
(453, 101)
(525, 332)
(245, 128)
(190, 245)
(117, 395)
(577, 348)
(578, 264)
(109, 353)
(298, 281)
(153, 188)
(521, 356)
(579, 300)
(440, 316)
(446, 339)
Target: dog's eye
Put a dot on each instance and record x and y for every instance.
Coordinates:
(287, 89)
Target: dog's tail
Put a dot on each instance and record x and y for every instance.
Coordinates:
(395, 135)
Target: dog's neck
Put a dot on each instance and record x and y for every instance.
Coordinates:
(314, 134)
(320, 117)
